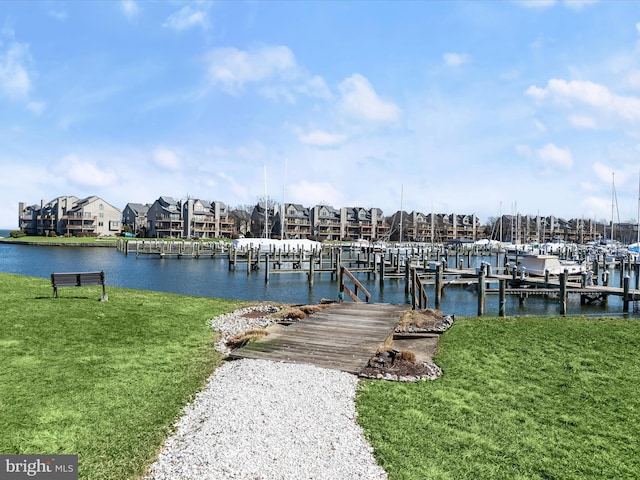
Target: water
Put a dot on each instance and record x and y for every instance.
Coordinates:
(208, 277)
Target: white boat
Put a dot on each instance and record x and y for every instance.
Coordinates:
(537, 265)
(272, 244)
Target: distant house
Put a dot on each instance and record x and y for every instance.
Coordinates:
(361, 223)
(325, 223)
(297, 221)
(263, 225)
(70, 216)
(92, 216)
(204, 219)
(28, 218)
(135, 216)
(164, 219)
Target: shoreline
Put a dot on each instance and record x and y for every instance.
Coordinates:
(58, 244)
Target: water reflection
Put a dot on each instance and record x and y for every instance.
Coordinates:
(212, 278)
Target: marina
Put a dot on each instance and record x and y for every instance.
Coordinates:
(387, 275)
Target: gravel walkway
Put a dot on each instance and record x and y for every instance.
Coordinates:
(265, 420)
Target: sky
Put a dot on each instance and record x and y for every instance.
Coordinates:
(479, 107)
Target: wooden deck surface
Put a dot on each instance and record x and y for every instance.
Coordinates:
(343, 337)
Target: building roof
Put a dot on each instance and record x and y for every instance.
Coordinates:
(138, 208)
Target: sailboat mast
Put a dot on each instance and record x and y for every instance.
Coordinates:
(613, 190)
(638, 221)
(401, 193)
(282, 219)
(266, 207)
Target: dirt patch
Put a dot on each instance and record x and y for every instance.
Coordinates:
(409, 356)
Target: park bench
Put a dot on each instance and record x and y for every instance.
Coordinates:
(77, 279)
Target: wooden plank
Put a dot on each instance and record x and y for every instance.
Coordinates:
(343, 336)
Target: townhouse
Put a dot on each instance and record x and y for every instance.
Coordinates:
(70, 216)
(197, 218)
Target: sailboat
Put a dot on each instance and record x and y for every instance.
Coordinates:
(633, 248)
(267, 244)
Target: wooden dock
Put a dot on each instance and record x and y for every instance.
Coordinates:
(343, 337)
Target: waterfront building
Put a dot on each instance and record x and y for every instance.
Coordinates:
(263, 224)
(134, 215)
(297, 222)
(70, 216)
(203, 219)
(325, 223)
(164, 219)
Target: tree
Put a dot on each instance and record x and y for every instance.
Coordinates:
(241, 215)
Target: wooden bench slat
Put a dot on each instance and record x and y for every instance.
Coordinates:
(77, 279)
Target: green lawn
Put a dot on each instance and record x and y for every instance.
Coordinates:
(520, 398)
(104, 380)
(99, 240)
(102, 241)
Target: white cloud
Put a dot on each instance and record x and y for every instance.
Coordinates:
(603, 172)
(58, 15)
(524, 150)
(186, 18)
(319, 138)
(15, 81)
(130, 8)
(536, 3)
(555, 157)
(582, 121)
(455, 59)
(540, 126)
(166, 158)
(86, 173)
(314, 193)
(359, 100)
(232, 69)
(589, 94)
(36, 108)
(540, 4)
(234, 187)
(579, 4)
(315, 87)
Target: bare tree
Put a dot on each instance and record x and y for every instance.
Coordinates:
(241, 215)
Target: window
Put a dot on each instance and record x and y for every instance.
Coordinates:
(101, 207)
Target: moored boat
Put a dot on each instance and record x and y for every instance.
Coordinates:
(538, 265)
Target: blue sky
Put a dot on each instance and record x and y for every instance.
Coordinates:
(451, 107)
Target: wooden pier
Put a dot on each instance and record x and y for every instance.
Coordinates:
(344, 336)
(172, 248)
(425, 270)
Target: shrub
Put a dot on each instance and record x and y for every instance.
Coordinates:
(17, 233)
(407, 356)
(290, 313)
(242, 339)
(311, 309)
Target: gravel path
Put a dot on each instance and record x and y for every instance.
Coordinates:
(264, 420)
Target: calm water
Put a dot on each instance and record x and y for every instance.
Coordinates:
(211, 278)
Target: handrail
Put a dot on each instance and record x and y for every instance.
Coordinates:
(344, 271)
(418, 292)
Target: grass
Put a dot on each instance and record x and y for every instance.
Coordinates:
(63, 240)
(98, 240)
(520, 398)
(104, 380)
